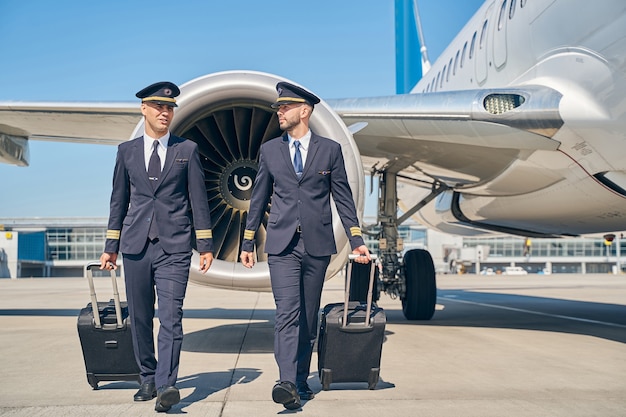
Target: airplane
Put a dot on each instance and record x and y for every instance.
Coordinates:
(517, 128)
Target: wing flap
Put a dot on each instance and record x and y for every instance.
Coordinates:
(104, 123)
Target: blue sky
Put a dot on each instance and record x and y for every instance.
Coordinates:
(106, 51)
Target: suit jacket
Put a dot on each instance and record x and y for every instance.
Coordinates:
(304, 201)
(179, 196)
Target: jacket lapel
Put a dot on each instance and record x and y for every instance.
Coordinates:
(286, 156)
(170, 157)
(313, 147)
(140, 157)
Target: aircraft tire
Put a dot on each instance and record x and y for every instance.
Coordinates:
(421, 289)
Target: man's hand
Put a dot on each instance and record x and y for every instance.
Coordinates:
(108, 261)
(206, 259)
(364, 254)
(247, 259)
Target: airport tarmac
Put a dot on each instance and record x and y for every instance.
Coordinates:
(535, 345)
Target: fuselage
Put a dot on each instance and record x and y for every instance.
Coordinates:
(577, 48)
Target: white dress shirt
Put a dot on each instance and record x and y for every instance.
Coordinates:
(304, 147)
(161, 149)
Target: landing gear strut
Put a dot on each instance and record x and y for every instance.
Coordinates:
(411, 277)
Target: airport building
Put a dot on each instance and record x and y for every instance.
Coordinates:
(61, 247)
(511, 254)
(49, 247)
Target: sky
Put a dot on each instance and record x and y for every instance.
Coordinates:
(107, 51)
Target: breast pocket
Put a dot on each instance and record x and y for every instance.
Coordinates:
(181, 163)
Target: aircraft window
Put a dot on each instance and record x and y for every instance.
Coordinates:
(471, 54)
(463, 54)
(437, 82)
(483, 32)
(502, 14)
(449, 70)
(522, 3)
(512, 9)
(456, 62)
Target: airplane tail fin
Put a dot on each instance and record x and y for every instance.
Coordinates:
(411, 57)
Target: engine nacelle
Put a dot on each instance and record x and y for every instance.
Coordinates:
(228, 115)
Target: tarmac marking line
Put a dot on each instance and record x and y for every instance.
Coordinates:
(243, 340)
(604, 323)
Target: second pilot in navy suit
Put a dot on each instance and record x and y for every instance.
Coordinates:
(299, 171)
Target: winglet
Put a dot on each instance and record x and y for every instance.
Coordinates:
(411, 56)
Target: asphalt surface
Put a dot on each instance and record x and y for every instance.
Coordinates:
(535, 345)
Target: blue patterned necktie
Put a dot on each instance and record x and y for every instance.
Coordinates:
(297, 159)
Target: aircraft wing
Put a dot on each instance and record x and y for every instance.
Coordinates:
(103, 123)
(460, 138)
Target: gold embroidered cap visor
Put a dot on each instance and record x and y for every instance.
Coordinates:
(163, 92)
(289, 93)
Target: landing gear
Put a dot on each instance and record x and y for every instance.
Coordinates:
(421, 290)
(411, 277)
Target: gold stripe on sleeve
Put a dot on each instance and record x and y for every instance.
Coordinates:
(355, 231)
(113, 234)
(248, 235)
(204, 234)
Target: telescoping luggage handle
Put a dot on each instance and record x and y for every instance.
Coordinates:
(370, 290)
(94, 300)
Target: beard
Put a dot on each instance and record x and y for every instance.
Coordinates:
(286, 124)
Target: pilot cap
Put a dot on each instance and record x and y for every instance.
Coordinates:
(162, 92)
(289, 93)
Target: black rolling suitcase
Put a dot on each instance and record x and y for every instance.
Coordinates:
(351, 338)
(106, 338)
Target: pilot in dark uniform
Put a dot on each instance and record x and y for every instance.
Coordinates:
(158, 197)
(299, 171)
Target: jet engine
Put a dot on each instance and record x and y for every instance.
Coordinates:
(228, 115)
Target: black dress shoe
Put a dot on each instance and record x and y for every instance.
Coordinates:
(167, 396)
(146, 392)
(305, 392)
(285, 393)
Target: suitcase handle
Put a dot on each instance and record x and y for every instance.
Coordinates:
(94, 299)
(370, 290)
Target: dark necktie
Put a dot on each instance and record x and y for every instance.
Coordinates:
(297, 159)
(154, 166)
(154, 170)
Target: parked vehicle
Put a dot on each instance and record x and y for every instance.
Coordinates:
(514, 270)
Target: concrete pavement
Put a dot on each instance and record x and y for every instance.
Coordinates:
(552, 345)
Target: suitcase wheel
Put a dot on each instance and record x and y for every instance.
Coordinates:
(372, 381)
(326, 378)
(93, 381)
